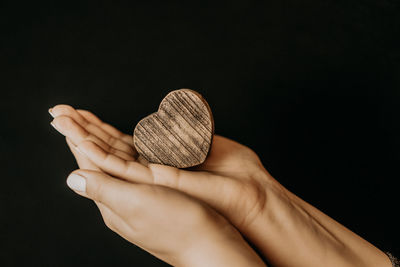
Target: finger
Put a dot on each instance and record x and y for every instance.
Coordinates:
(119, 196)
(112, 220)
(69, 128)
(89, 116)
(128, 170)
(65, 110)
(202, 185)
(82, 161)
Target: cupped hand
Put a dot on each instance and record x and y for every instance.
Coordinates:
(169, 224)
(166, 223)
(232, 180)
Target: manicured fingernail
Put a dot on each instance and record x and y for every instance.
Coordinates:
(51, 112)
(76, 182)
(55, 127)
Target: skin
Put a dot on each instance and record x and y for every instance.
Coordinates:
(170, 225)
(285, 229)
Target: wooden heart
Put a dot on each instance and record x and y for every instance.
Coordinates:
(179, 134)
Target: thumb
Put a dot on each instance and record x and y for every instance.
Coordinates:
(102, 188)
(199, 184)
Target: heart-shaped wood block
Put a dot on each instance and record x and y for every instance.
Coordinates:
(179, 134)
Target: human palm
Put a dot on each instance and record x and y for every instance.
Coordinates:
(231, 180)
(125, 206)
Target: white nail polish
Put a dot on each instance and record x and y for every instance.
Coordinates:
(54, 126)
(51, 113)
(76, 182)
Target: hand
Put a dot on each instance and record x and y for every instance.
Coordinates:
(232, 179)
(287, 230)
(170, 225)
(235, 252)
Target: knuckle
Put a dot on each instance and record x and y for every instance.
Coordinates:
(86, 144)
(170, 178)
(174, 178)
(89, 126)
(95, 191)
(178, 178)
(113, 142)
(91, 138)
(112, 150)
(87, 136)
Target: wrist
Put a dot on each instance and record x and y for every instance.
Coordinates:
(222, 246)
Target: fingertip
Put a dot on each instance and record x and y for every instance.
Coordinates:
(52, 123)
(77, 182)
(86, 183)
(62, 109)
(100, 187)
(62, 122)
(51, 112)
(62, 106)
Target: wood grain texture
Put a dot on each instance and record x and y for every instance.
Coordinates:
(179, 134)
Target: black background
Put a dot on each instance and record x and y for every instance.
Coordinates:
(312, 86)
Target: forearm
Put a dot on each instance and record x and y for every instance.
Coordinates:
(351, 247)
(291, 232)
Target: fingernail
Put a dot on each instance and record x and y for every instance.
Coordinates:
(51, 112)
(55, 127)
(76, 182)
